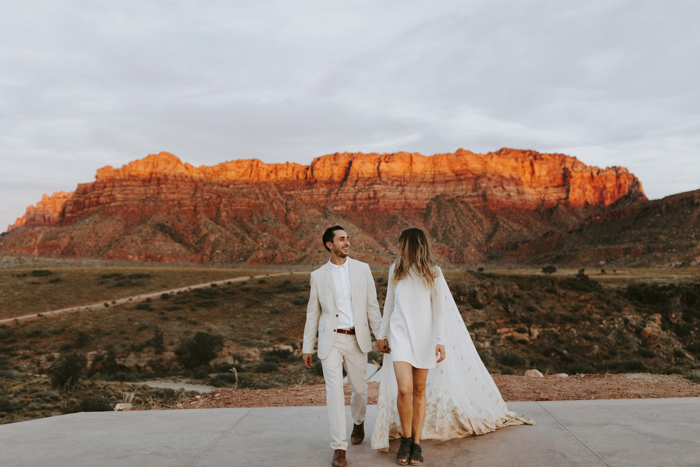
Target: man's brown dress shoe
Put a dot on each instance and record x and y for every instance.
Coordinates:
(339, 458)
(358, 433)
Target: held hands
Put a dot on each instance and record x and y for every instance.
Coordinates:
(306, 358)
(440, 350)
(383, 345)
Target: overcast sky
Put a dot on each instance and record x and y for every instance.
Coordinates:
(84, 84)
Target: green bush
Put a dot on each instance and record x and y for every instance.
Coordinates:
(511, 360)
(41, 273)
(82, 339)
(549, 269)
(507, 371)
(89, 404)
(9, 405)
(199, 350)
(300, 301)
(693, 375)
(66, 372)
(646, 353)
(266, 367)
(678, 353)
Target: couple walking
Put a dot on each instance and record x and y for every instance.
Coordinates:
(426, 345)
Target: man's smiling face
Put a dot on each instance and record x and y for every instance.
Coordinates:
(341, 244)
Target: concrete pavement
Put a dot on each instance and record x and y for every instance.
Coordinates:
(646, 432)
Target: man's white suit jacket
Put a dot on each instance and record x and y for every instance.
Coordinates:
(322, 310)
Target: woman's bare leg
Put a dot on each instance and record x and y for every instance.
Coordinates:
(404, 380)
(420, 375)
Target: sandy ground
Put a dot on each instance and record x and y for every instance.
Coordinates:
(513, 388)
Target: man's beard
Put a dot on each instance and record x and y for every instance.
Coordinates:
(338, 252)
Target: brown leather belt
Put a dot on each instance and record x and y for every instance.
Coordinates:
(346, 331)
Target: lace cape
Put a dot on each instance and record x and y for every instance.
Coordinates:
(462, 398)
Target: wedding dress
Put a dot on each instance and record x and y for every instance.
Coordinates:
(462, 399)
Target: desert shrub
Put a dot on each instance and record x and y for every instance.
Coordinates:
(165, 296)
(129, 283)
(522, 341)
(511, 360)
(266, 367)
(199, 350)
(8, 405)
(478, 324)
(139, 275)
(480, 269)
(625, 366)
(261, 281)
(245, 289)
(35, 333)
(473, 300)
(300, 301)
(82, 339)
(693, 375)
(507, 371)
(678, 353)
(646, 353)
(114, 275)
(200, 373)
(531, 308)
(581, 283)
(65, 347)
(66, 372)
(253, 302)
(521, 330)
(6, 333)
(552, 290)
(55, 280)
(682, 329)
(56, 331)
(527, 320)
(551, 317)
(549, 269)
(578, 368)
(89, 404)
(694, 348)
(144, 306)
(207, 304)
(41, 273)
(275, 311)
(569, 318)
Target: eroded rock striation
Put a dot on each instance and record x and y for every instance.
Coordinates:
(475, 206)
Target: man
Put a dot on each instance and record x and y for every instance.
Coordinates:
(342, 306)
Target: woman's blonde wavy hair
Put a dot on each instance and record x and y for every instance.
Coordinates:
(414, 252)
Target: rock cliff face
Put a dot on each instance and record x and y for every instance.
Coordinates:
(45, 213)
(475, 206)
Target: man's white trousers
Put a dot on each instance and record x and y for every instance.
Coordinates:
(345, 351)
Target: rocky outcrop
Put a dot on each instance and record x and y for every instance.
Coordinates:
(45, 213)
(475, 206)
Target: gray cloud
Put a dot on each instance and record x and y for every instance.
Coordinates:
(88, 84)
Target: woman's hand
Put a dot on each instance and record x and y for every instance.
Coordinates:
(383, 346)
(440, 350)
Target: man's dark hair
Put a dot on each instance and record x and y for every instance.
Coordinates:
(329, 235)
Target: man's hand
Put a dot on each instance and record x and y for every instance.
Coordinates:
(383, 346)
(440, 350)
(306, 358)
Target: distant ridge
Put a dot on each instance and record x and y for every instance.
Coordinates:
(476, 207)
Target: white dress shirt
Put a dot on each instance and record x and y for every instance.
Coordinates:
(343, 295)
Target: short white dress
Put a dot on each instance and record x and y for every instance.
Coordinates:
(413, 320)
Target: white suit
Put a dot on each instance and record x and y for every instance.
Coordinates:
(336, 349)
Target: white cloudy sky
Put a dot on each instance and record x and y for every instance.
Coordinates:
(84, 84)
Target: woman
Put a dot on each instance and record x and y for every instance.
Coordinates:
(421, 325)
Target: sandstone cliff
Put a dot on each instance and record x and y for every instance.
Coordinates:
(475, 206)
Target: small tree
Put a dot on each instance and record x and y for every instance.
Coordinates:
(549, 269)
(199, 350)
(67, 370)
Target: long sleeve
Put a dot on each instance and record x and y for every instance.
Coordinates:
(438, 312)
(313, 314)
(373, 314)
(388, 306)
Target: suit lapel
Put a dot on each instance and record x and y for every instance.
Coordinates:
(331, 283)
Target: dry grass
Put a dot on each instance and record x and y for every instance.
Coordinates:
(22, 293)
